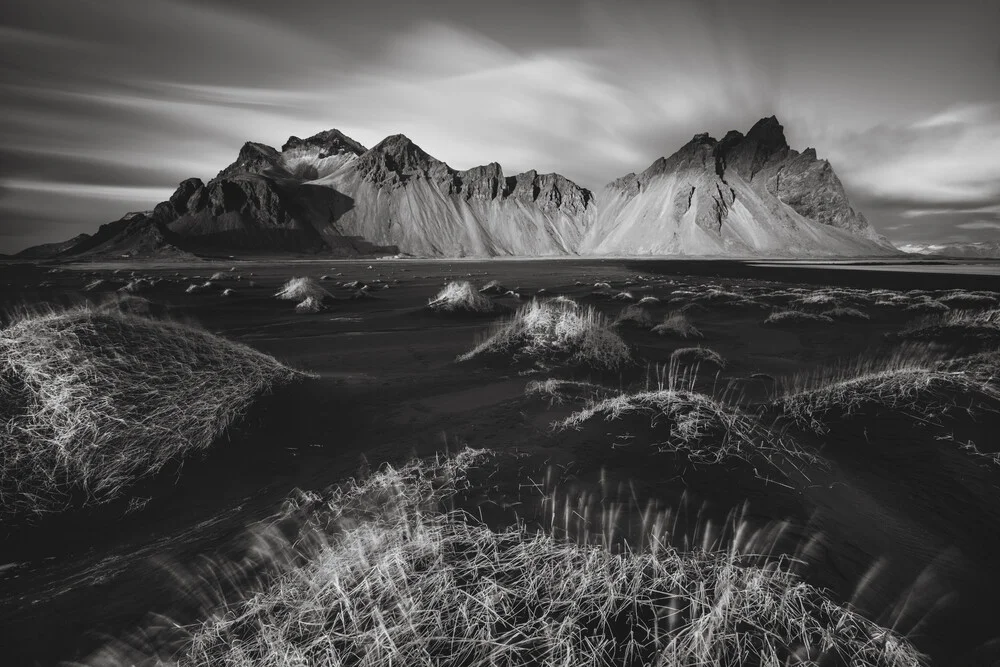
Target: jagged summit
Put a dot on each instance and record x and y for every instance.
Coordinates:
(253, 158)
(742, 195)
(328, 142)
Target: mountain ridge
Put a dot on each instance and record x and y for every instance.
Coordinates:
(327, 194)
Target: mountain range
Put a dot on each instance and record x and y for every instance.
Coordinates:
(967, 250)
(743, 195)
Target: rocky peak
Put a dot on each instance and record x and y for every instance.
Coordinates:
(253, 158)
(396, 159)
(765, 143)
(484, 182)
(328, 142)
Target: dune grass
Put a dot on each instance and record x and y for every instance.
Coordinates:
(635, 315)
(401, 581)
(795, 318)
(697, 356)
(846, 313)
(915, 379)
(558, 331)
(94, 399)
(310, 305)
(300, 289)
(976, 327)
(678, 325)
(558, 391)
(461, 297)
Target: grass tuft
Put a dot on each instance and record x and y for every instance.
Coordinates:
(846, 313)
(461, 296)
(559, 331)
(635, 315)
(678, 325)
(795, 318)
(94, 399)
(696, 356)
(300, 289)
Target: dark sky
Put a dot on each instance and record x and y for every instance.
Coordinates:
(107, 104)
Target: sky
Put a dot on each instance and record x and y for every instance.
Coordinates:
(107, 104)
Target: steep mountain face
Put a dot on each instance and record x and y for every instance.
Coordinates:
(743, 195)
(328, 194)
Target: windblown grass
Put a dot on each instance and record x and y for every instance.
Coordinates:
(300, 289)
(94, 399)
(461, 296)
(558, 331)
(914, 380)
(846, 313)
(310, 305)
(678, 325)
(976, 327)
(635, 315)
(558, 391)
(401, 582)
(795, 318)
(696, 356)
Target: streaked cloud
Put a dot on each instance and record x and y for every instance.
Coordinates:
(105, 101)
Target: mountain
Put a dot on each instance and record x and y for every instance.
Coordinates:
(329, 195)
(971, 250)
(743, 195)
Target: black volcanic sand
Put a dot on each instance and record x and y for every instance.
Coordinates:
(900, 521)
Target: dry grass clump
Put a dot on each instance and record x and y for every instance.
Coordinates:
(556, 331)
(845, 313)
(300, 289)
(94, 399)
(696, 356)
(461, 296)
(915, 380)
(562, 391)
(795, 318)
(980, 327)
(310, 305)
(624, 296)
(97, 284)
(493, 287)
(635, 315)
(402, 583)
(649, 301)
(678, 325)
(928, 306)
(195, 288)
(969, 300)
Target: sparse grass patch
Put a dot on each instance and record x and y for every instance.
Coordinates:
(300, 289)
(914, 380)
(562, 391)
(696, 356)
(678, 325)
(462, 297)
(975, 327)
(493, 287)
(795, 318)
(94, 399)
(310, 305)
(556, 331)
(968, 300)
(635, 315)
(845, 313)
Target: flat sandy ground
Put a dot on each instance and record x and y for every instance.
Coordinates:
(925, 523)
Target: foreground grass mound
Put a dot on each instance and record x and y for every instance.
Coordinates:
(677, 325)
(461, 297)
(960, 327)
(403, 583)
(94, 399)
(556, 331)
(914, 380)
(796, 318)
